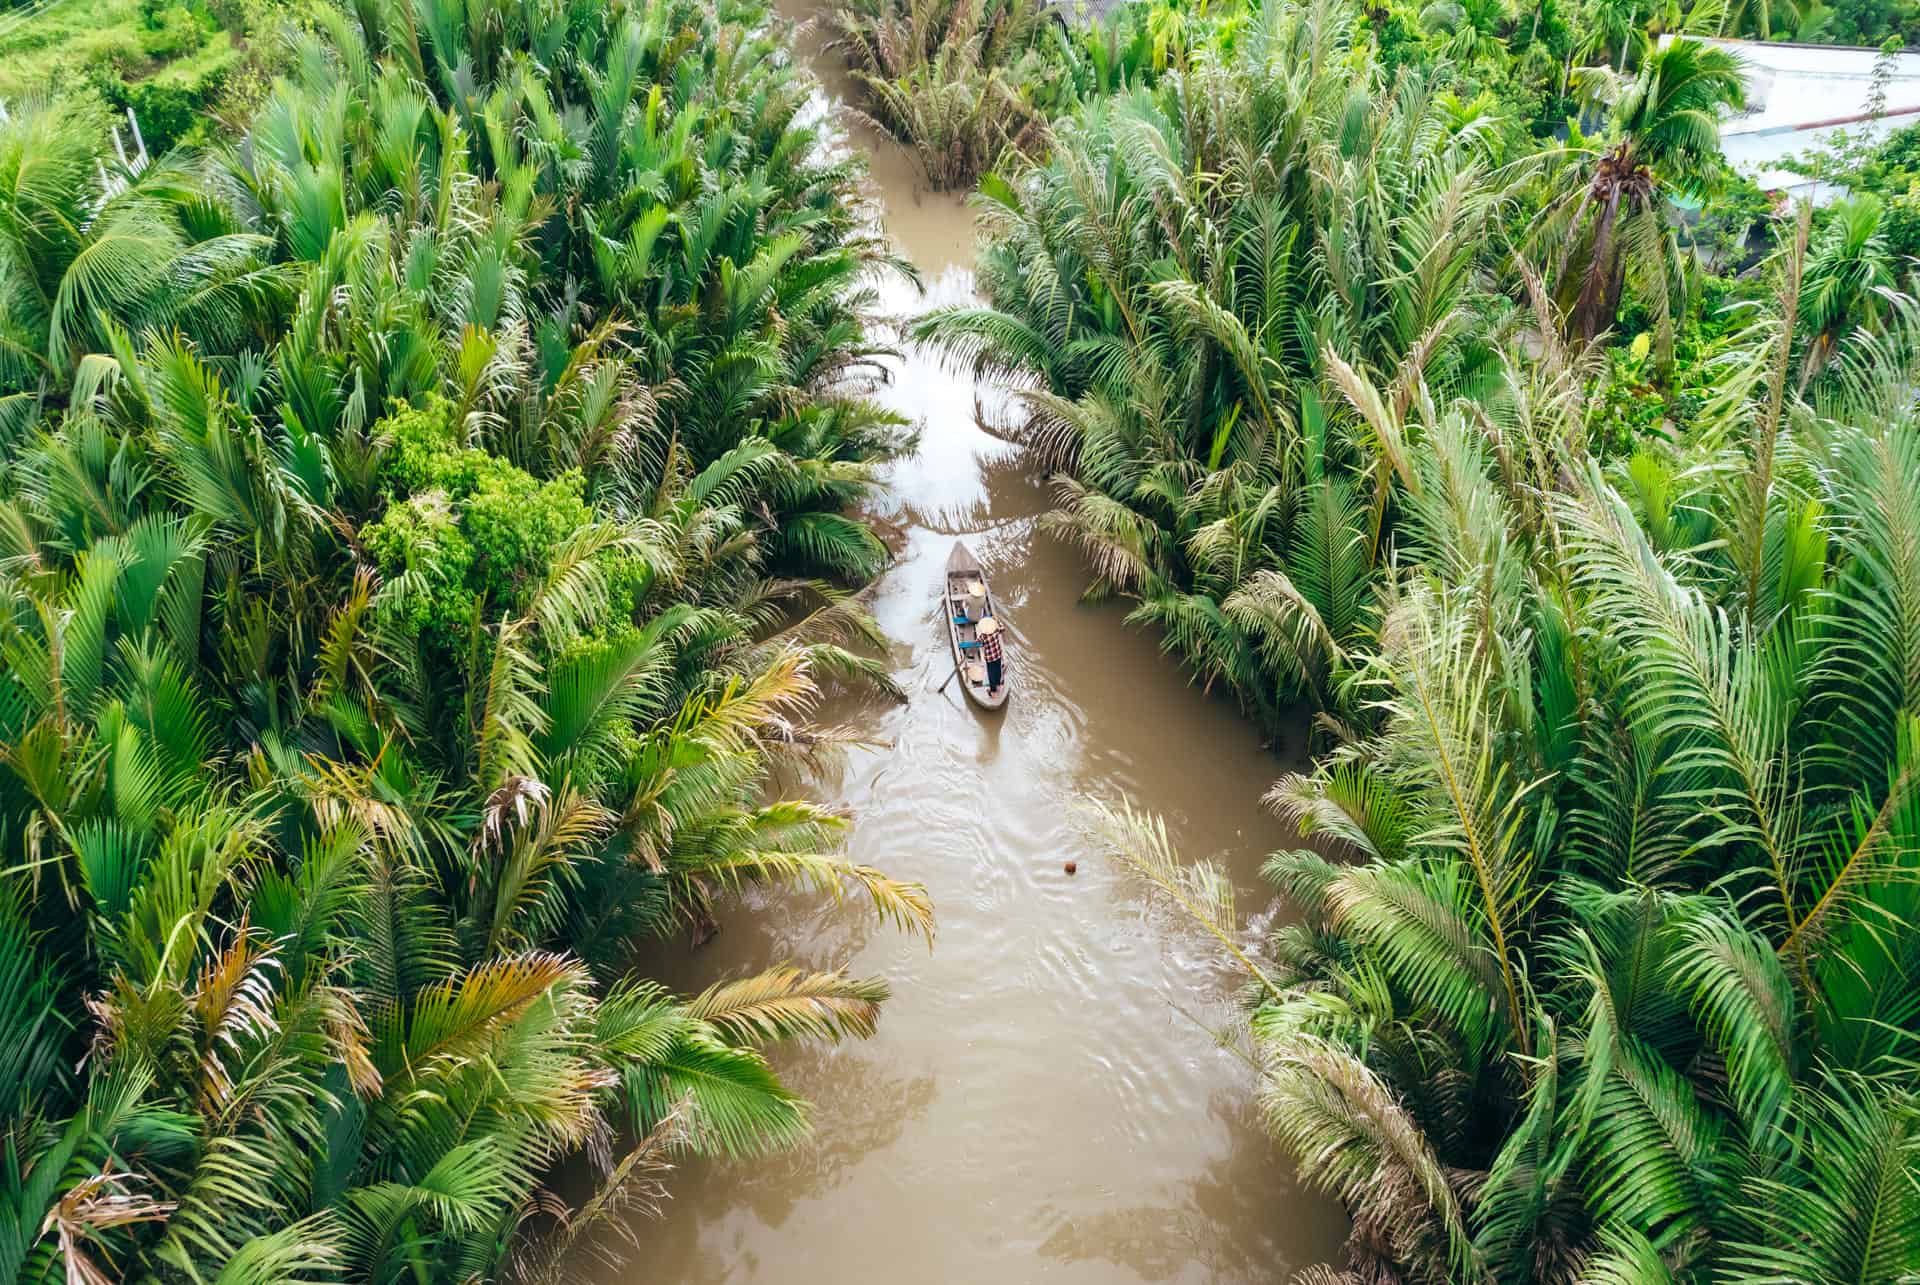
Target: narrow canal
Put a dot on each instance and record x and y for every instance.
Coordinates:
(1040, 1104)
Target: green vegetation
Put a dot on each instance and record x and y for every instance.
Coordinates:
(955, 78)
(425, 526)
(1600, 572)
(177, 66)
(1174, 352)
(419, 529)
(1884, 223)
(963, 82)
(969, 84)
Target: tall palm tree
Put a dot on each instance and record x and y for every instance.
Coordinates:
(1848, 268)
(1609, 226)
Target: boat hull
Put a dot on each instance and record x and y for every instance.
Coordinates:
(964, 571)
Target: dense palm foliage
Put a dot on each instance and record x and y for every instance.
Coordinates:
(971, 85)
(404, 532)
(424, 529)
(1605, 954)
(961, 81)
(1182, 282)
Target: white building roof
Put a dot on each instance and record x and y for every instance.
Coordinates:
(1800, 95)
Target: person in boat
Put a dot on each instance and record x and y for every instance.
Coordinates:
(990, 651)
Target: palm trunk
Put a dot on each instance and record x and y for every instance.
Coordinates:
(1600, 295)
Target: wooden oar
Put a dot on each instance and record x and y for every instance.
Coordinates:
(953, 674)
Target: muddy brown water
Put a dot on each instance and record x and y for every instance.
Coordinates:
(1041, 1102)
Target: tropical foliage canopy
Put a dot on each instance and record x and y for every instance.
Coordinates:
(421, 534)
(1602, 956)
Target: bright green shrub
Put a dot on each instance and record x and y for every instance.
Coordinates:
(418, 437)
(516, 522)
(421, 540)
(629, 580)
(175, 32)
(509, 522)
(167, 113)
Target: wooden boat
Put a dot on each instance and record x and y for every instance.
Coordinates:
(966, 584)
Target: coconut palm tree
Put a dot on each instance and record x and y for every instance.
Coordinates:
(1608, 228)
(1762, 17)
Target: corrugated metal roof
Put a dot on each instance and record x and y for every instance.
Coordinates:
(1798, 96)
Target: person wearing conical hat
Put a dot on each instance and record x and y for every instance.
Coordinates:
(975, 601)
(990, 651)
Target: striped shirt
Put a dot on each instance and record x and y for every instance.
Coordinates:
(990, 646)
